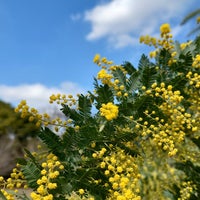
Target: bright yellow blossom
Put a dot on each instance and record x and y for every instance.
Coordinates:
(96, 58)
(165, 29)
(109, 111)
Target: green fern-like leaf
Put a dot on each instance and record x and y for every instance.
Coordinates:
(190, 16)
(21, 161)
(178, 83)
(163, 58)
(189, 49)
(141, 103)
(52, 141)
(32, 174)
(129, 68)
(71, 113)
(88, 133)
(185, 62)
(143, 62)
(84, 106)
(70, 140)
(127, 150)
(196, 141)
(147, 73)
(31, 157)
(118, 74)
(133, 82)
(96, 84)
(104, 95)
(148, 76)
(197, 45)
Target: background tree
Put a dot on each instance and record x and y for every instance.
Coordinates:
(15, 134)
(12, 123)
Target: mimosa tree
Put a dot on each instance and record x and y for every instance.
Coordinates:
(136, 136)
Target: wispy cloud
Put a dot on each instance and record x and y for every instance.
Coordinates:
(121, 22)
(37, 95)
(75, 17)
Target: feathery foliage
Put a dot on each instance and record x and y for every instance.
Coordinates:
(135, 137)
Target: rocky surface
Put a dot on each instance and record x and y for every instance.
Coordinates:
(10, 150)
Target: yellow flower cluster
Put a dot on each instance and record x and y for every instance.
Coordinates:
(165, 29)
(101, 61)
(184, 45)
(165, 41)
(16, 180)
(63, 99)
(196, 62)
(99, 154)
(7, 195)
(109, 111)
(50, 171)
(157, 172)
(32, 113)
(168, 134)
(186, 190)
(119, 88)
(41, 119)
(148, 40)
(96, 58)
(104, 77)
(195, 103)
(194, 79)
(123, 174)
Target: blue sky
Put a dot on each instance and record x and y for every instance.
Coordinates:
(47, 46)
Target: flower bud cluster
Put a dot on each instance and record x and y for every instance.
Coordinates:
(49, 173)
(196, 61)
(105, 75)
(195, 103)
(123, 175)
(7, 195)
(165, 41)
(194, 79)
(15, 181)
(109, 111)
(119, 88)
(40, 119)
(185, 44)
(63, 99)
(122, 172)
(101, 61)
(186, 190)
(169, 134)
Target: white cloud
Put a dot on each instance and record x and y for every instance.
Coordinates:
(36, 95)
(123, 21)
